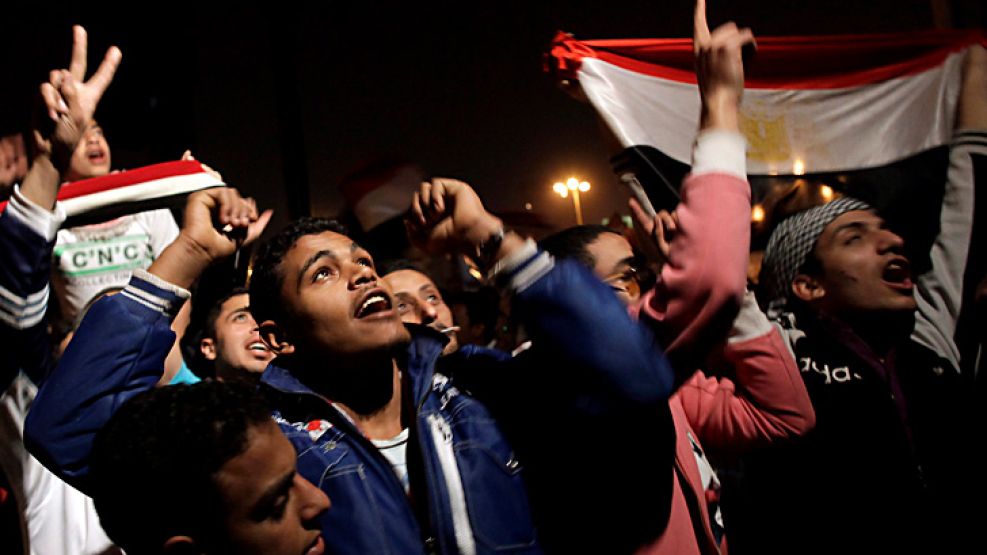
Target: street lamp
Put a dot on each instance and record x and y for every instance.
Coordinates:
(574, 186)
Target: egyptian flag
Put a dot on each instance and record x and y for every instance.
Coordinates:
(868, 115)
(157, 186)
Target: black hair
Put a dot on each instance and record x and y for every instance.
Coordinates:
(202, 325)
(268, 277)
(153, 464)
(573, 242)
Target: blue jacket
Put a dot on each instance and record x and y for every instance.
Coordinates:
(27, 237)
(476, 498)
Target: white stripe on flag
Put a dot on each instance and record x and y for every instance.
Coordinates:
(146, 190)
(824, 129)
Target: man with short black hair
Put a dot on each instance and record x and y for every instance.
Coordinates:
(222, 340)
(223, 476)
(604, 251)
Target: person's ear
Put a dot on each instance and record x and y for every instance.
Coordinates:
(808, 288)
(208, 348)
(276, 338)
(181, 545)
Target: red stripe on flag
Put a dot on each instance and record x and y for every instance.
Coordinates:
(808, 62)
(125, 179)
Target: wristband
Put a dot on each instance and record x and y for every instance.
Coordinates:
(486, 252)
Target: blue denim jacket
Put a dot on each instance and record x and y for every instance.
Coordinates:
(476, 498)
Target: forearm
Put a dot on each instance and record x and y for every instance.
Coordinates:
(580, 324)
(720, 111)
(118, 352)
(704, 280)
(971, 110)
(181, 263)
(42, 182)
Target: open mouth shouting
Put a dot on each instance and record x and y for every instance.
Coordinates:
(374, 305)
(259, 350)
(897, 274)
(317, 547)
(97, 156)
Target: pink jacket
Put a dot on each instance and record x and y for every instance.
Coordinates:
(703, 284)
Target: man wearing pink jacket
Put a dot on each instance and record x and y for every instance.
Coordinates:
(701, 289)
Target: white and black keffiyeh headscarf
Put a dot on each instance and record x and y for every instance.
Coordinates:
(790, 244)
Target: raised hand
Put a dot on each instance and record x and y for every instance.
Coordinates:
(654, 234)
(719, 69)
(448, 216)
(214, 218)
(70, 100)
(90, 92)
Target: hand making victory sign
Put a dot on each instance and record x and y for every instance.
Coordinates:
(69, 103)
(70, 99)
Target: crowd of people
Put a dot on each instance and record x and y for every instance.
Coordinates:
(656, 402)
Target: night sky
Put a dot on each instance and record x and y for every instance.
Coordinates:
(287, 99)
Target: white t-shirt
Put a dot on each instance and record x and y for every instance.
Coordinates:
(56, 518)
(89, 259)
(395, 450)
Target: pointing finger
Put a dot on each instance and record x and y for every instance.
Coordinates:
(700, 29)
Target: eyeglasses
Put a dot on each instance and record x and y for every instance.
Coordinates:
(626, 281)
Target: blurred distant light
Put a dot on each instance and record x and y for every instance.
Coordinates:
(527, 206)
(561, 189)
(572, 183)
(798, 168)
(476, 274)
(583, 186)
(757, 214)
(826, 192)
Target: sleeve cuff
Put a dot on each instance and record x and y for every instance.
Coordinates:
(750, 321)
(718, 151)
(43, 222)
(155, 293)
(522, 267)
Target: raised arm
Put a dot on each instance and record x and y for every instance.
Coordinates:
(566, 310)
(121, 345)
(31, 219)
(940, 291)
(703, 279)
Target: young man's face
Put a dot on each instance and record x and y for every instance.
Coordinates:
(419, 302)
(236, 346)
(270, 509)
(863, 267)
(91, 158)
(614, 265)
(335, 303)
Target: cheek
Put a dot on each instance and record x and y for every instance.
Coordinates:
(262, 538)
(445, 315)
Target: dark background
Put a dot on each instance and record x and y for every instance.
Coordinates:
(286, 99)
